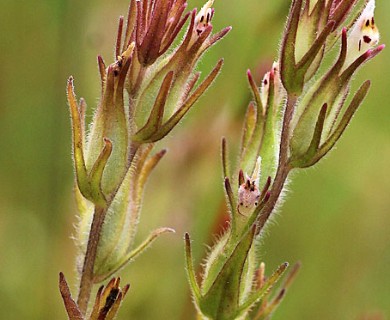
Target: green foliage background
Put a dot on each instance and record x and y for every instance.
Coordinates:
(335, 220)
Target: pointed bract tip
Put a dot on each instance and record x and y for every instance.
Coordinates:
(381, 47)
(100, 59)
(271, 75)
(170, 75)
(162, 230)
(241, 178)
(163, 152)
(110, 68)
(281, 294)
(220, 62)
(371, 53)
(169, 230)
(125, 289)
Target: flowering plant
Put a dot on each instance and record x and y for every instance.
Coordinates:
(298, 114)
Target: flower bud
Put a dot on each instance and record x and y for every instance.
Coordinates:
(158, 24)
(248, 192)
(303, 42)
(331, 91)
(264, 138)
(166, 91)
(110, 122)
(113, 158)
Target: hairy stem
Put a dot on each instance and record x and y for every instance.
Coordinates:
(86, 281)
(283, 167)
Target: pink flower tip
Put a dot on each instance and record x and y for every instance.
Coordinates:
(272, 75)
(381, 47)
(249, 75)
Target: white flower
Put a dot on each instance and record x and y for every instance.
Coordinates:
(249, 192)
(364, 34)
(203, 18)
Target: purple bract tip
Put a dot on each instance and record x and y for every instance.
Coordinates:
(381, 47)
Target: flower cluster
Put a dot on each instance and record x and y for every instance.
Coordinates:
(146, 91)
(298, 114)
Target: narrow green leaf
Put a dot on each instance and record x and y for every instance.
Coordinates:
(257, 296)
(230, 196)
(181, 112)
(269, 144)
(78, 145)
(249, 126)
(368, 55)
(305, 160)
(156, 115)
(309, 57)
(256, 95)
(348, 114)
(222, 299)
(144, 173)
(287, 54)
(134, 253)
(225, 164)
(147, 243)
(96, 174)
(190, 270)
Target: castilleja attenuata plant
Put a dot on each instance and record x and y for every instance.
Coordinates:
(298, 113)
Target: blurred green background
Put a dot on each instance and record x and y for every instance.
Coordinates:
(335, 219)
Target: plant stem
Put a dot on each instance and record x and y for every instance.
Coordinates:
(283, 167)
(86, 281)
